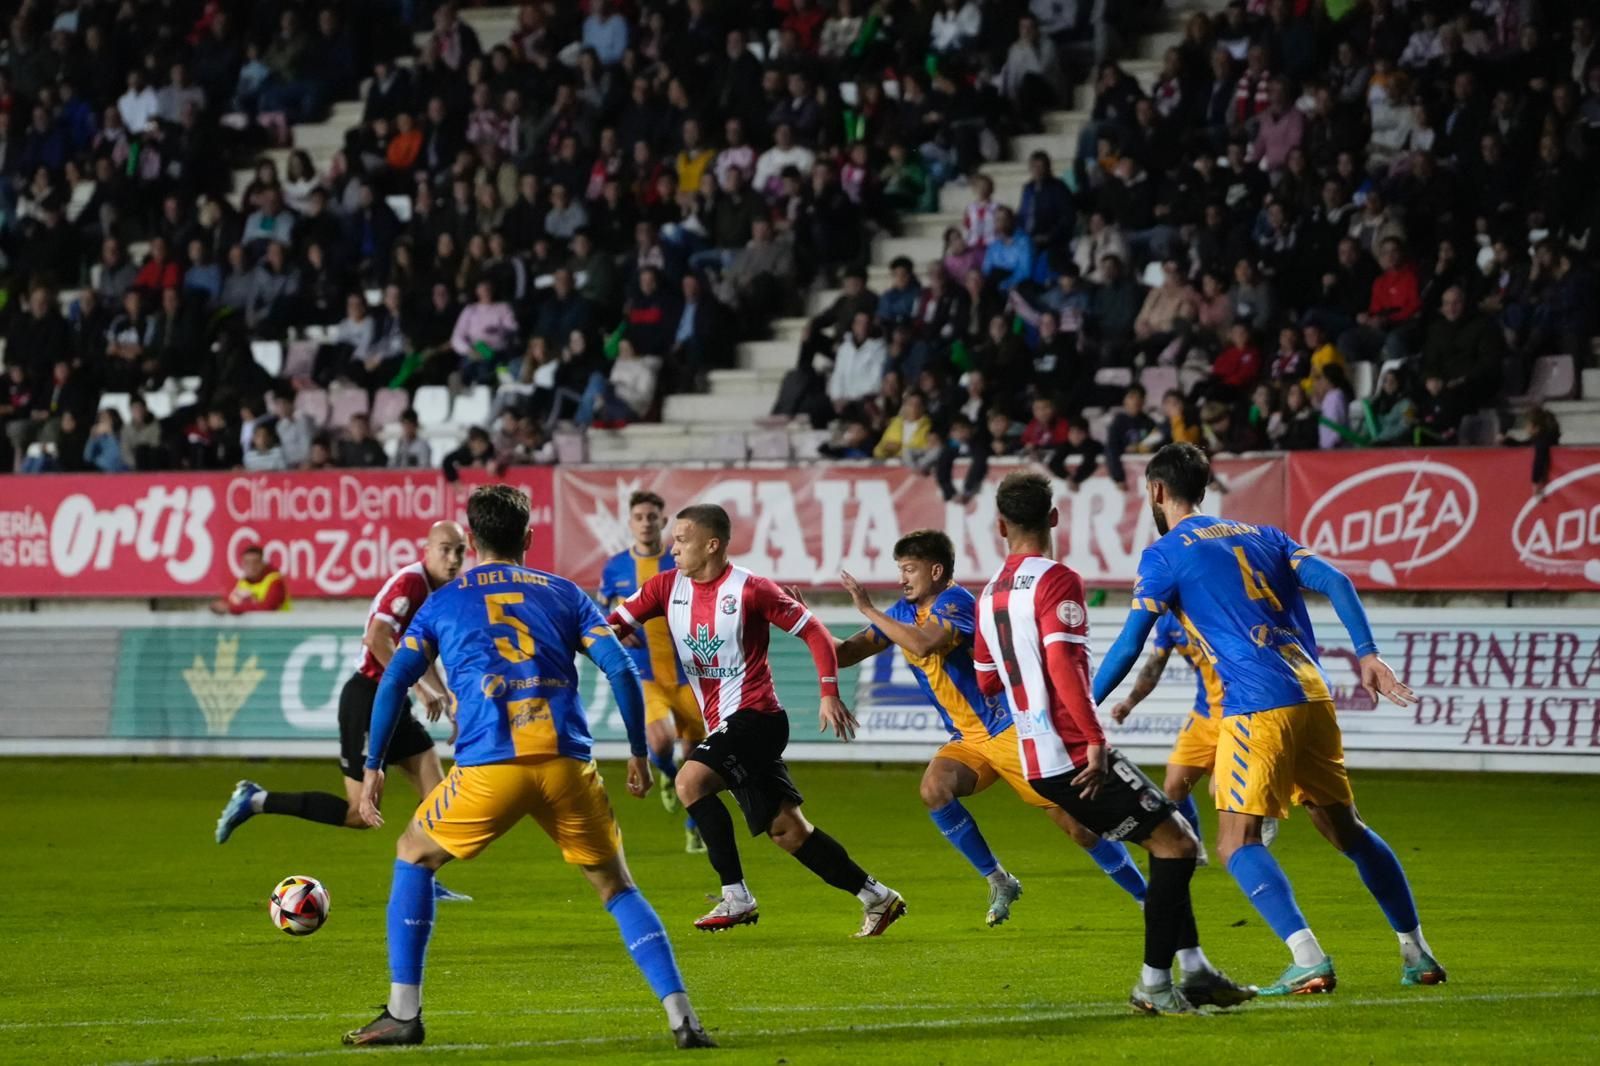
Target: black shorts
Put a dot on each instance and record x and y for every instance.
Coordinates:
(1128, 806)
(355, 722)
(746, 751)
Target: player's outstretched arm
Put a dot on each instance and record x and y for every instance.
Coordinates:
(916, 640)
(1376, 676)
(1149, 676)
(606, 651)
(409, 662)
(857, 648)
(1124, 653)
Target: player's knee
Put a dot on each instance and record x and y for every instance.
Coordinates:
(787, 835)
(936, 792)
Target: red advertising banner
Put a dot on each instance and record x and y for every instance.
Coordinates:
(336, 534)
(1450, 519)
(803, 525)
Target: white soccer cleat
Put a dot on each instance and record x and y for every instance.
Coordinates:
(881, 915)
(727, 914)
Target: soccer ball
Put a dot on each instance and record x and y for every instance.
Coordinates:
(299, 905)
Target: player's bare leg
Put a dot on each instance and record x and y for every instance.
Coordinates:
(648, 943)
(661, 735)
(1179, 787)
(824, 856)
(424, 771)
(1110, 855)
(1171, 932)
(693, 844)
(944, 784)
(1381, 872)
(698, 786)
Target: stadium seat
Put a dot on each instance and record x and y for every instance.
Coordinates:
(344, 404)
(185, 399)
(571, 448)
(1157, 381)
(511, 394)
(268, 356)
(119, 402)
(770, 444)
(159, 403)
(374, 297)
(188, 383)
(727, 448)
(471, 407)
(1113, 377)
(313, 403)
(299, 360)
(1479, 429)
(401, 206)
(1554, 377)
(1363, 378)
(387, 406)
(432, 404)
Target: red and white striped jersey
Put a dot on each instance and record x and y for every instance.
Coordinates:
(1033, 640)
(978, 223)
(720, 630)
(395, 604)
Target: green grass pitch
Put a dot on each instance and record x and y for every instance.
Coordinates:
(131, 937)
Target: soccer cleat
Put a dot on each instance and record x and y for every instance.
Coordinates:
(386, 1031)
(693, 844)
(1269, 831)
(1157, 1001)
(690, 1036)
(444, 895)
(1213, 988)
(669, 793)
(237, 812)
(881, 915)
(1425, 971)
(1303, 980)
(1001, 897)
(727, 914)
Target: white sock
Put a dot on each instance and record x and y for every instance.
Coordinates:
(1303, 945)
(1193, 960)
(998, 876)
(1413, 946)
(258, 801)
(1153, 978)
(737, 893)
(872, 892)
(405, 1001)
(679, 1011)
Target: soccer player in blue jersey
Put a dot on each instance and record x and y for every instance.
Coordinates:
(1194, 753)
(507, 637)
(1236, 589)
(671, 713)
(933, 626)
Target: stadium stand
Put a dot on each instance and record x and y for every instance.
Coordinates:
(659, 222)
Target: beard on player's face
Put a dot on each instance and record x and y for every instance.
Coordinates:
(1158, 514)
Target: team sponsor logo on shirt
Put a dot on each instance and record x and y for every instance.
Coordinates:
(492, 686)
(704, 645)
(1071, 613)
(1392, 519)
(729, 604)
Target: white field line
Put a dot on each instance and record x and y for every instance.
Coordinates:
(1018, 1014)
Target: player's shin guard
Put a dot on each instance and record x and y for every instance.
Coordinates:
(962, 832)
(322, 807)
(1112, 857)
(1262, 880)
(826, 857)
(410, 926)
(1384, 878)
(711, 817)
(1168, 913)
(646, 940)
(1190, 811)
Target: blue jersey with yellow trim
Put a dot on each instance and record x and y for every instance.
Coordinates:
(507, 637)
(1207, 685)
(1232, 587)
(624, 574)
(947, 676)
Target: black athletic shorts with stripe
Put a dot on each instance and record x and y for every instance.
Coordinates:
(746, 751)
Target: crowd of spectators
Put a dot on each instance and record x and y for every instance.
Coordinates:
(1305, 188)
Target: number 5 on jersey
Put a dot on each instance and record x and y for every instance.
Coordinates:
(496, 605)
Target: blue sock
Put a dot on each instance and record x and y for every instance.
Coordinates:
(1264, 885)
(959, 828)
(647, 941)
(1112, 857)
(1191, 814)
(1381, 873)
(666, 764)
(688, 823)
(410, 921)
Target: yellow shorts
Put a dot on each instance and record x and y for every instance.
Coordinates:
(995, 758)
(476, 805)
(678, 703)
(1268, 760)
(1196, 744)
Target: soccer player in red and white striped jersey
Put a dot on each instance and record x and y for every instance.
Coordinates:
(720, 617)
(1033, 644)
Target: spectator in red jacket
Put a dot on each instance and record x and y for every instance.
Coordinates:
(1388, 326)
(160, 271)
(1047, 431)
(1237, 368)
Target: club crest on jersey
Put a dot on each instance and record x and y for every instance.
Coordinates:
(1071, 613)
(729, 604)
(703, 645)
(401, 605)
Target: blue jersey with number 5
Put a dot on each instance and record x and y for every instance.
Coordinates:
(507, 638)
(1233, 589)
